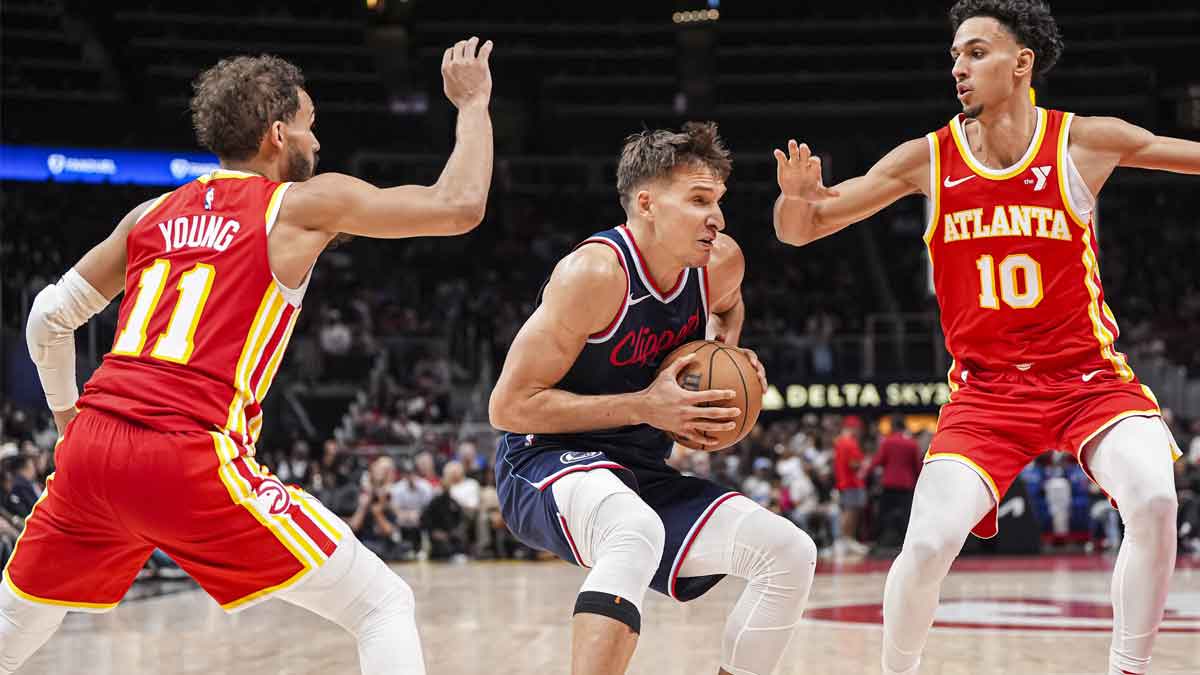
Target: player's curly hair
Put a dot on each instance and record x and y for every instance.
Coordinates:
(236, 101)
(1029, 21)
(648, 155)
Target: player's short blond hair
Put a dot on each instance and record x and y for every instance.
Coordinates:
(654, 154)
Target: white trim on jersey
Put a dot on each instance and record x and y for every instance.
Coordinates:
(644, 274)
(984, 169)
(549, 480)
(605, 336)
(1079, 197)
(691, 537)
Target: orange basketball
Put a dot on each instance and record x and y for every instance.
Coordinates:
(719, 366)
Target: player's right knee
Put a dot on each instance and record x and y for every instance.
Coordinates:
(632, 531)
(932, 550)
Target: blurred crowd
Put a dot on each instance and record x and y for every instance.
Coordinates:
(845, 480)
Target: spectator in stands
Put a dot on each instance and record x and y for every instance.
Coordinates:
(445, 522)
(426, 469)
(410, 495)
(757, 486)
(294, 468)
(374, 521)
(1187, 483)
(23, 493)
(852, 493)
(901, 462)
(335, 337)
(474, 466)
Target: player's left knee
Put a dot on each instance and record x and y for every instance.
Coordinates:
(783, 551)
(1156, 513)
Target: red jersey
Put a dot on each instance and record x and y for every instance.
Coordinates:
(204, 323)
(847, 459)
(1014, 257)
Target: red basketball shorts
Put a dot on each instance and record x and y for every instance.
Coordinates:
(121, 490)
(996, 423)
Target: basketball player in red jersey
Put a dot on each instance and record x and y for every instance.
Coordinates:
(159, 451)
(1014, 255)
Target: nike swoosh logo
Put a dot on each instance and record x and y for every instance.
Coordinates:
(1089, 376)
(951, 183)
(634, 301)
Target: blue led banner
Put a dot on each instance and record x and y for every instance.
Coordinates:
(92, 165)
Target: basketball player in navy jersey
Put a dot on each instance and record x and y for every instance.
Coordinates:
(582, 472)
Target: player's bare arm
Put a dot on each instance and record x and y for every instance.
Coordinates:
(728, 312)
(316, 210)
(1100, 144)
(585, 291)
(807, 210)
(59, 309)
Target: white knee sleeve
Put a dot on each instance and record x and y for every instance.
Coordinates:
(778, 561)
(24, 626)
(616, 534)
(357, 591)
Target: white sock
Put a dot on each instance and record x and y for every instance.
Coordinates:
(950, 499)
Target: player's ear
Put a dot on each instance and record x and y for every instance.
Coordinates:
(642, 202)
(276, 134)
(1025, 62)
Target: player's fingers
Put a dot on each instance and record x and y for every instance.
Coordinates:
(446, 55)
(780, 158)
(793, 149)
(469, 48)
(457, 51)
(711, 396)
(803, 153)
(698, 412)
(712, 427)
(485, 52)
(694, 441)
(679, 364)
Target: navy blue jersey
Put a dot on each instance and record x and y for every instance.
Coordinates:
(623, 357)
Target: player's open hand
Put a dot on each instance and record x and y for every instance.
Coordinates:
(799, 174)
(687, 415)
(466, 73)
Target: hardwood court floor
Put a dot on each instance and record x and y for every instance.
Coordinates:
(1033, 615)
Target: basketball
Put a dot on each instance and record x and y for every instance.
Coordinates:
(719, 366)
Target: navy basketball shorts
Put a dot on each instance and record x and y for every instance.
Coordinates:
(527, 467)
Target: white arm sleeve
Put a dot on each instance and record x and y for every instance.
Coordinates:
(56, 312)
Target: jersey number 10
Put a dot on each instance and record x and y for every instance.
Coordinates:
(1022, 293)
(175, 343)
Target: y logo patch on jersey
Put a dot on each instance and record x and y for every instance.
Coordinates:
(1042, 173)
(208, 198)
(572, 457)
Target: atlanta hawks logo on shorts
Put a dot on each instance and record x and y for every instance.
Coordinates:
(571, 457)
(273, 496)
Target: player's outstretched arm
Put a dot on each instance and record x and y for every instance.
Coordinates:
(1111, 142)
(806, 210)
(336, 203)
(585, 291)
(60, 308)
